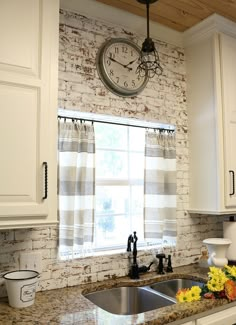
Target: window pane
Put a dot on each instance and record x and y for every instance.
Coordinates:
(136, 202)
(112, 220)
(111, 164)
(111, 136)
(137, 221)
(112, 230)
(119, 187)
(112, 199)
(137, 138)
(136, 166)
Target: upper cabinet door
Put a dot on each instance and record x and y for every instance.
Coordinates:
(28, 106)
(228, 77)
(211, 98)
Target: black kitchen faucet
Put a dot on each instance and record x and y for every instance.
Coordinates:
(135, 270)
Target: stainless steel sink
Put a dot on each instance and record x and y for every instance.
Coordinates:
(170, 287)
(128, 300)
(135, 300)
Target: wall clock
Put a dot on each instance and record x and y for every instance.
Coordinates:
(117, 62)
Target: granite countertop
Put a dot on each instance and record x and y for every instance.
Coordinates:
(69, 306)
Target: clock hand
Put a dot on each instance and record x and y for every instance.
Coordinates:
(123, 65)
(126, 65)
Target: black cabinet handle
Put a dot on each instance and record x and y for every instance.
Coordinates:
(45, 164)
(233, 182)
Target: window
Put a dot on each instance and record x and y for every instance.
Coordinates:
(116, 171)
(119, 184)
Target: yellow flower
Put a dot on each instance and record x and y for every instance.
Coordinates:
(196, 290)
(214, 285)
(189, 295)
(181, 295)
(231, 270)
(213, 271)
(194, 294)
(217, 279)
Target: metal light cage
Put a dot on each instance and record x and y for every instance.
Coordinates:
(149, 62)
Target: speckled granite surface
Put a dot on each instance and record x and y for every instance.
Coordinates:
(69, 306)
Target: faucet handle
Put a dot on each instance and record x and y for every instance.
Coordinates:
(160, 265)
(144, 268)
(169, 266)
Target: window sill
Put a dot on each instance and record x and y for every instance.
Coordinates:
(118, 251)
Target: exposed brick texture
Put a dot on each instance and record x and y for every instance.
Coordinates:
(163, 100)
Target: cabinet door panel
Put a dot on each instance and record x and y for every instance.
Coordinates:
(18, 141)
(228, 70)
(19, 35)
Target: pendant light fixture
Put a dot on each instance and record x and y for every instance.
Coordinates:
(149, 62)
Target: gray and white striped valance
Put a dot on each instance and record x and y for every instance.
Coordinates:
(76, 186)
(160, 187)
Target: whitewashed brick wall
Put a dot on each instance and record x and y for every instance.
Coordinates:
(163, 100)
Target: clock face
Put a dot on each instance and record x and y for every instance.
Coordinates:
(117, 63)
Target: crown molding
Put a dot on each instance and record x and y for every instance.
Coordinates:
(134, 23)
(207, 27)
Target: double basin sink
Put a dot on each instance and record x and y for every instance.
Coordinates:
(135, 300)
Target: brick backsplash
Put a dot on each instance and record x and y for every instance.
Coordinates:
(163, 100)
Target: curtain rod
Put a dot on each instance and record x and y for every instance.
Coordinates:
(114, 123)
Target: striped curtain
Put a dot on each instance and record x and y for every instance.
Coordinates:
(76, 187)
(160, 187)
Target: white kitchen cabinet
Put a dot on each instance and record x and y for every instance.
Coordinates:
(224, 317)
(228, 76)
(28, 108)
(211, 97)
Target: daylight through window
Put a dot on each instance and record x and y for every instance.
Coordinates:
(119, 184)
